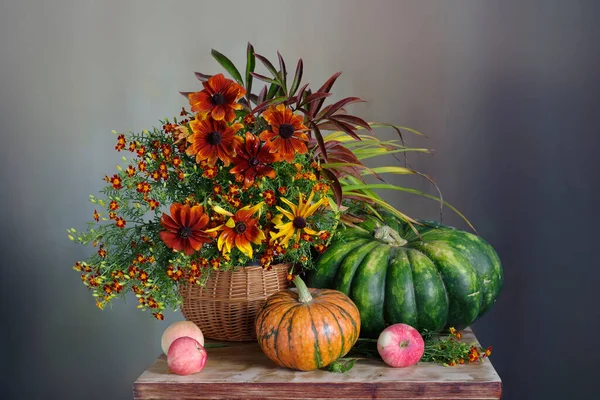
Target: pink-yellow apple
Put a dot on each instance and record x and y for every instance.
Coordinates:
(400, 345)
(186, 356)
(179, 329)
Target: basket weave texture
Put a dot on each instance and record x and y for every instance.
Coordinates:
(226, 308)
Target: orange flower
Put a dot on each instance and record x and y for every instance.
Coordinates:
(153, 204)
(130, 171)
(184, 228)
(212, 140)
(96, 216)
(114, 205)
(269, 197)
(141, 151)
(240, 230)
(159, 316)
(120, 143)
(219, 98)
(120, 222)
(116, 182)
(249, 120)
(253, 160)
(287, 135)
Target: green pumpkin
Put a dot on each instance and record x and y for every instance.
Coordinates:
(446, 277)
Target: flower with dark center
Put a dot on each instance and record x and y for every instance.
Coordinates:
(286, 134)
(240, 231)
(219, 98)
(184, 228)
(213, 140)
(286, 130)
(184, 232)
(253, 160)
(297, 216)
(240, 227)
(299, 223)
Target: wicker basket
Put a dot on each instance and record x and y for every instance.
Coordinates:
(225, 309)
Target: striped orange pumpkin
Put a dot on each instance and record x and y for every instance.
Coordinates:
(306, 329)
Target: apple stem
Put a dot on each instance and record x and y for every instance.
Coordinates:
(404, 343)
(303, 293)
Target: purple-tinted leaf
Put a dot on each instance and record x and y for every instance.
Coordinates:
(253, 98)
(320, 141)
(354, 120)
(273, 89)
(282, 71)
(202, 77)
(228, 65)
(268, 65)
(264, 78)
(333, 108)
(262, 96)
(268, 103)
(297, 78)
(328, 126)
(346, 127)
(316, 106)
(335, 186)
(301, 94)
(250, 65)
(244, 103)
(310, 99)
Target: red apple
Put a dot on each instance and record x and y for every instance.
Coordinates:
(400, 345)
(179, 329)
(186, 356)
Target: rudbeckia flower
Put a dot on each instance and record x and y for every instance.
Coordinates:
(185, 228)
(286, 135)
(297, 219)
(219, 98)
(240, 230)
(212, 140)
(252, 160)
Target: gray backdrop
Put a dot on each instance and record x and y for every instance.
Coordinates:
(506, 91)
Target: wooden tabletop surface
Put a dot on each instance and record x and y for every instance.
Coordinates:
(242, 371)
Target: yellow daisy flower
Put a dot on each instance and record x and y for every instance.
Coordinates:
(297, 219)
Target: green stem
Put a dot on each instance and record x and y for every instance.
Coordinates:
(303, 293)
(389, 236)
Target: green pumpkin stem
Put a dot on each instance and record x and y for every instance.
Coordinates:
(303, 293)
(389, 236)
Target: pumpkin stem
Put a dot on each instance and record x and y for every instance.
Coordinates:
(389, 236)
(303, 293)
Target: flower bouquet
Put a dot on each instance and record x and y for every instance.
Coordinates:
(237, 179)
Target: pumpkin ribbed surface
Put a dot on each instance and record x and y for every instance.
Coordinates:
(311, 335)
(439, 278)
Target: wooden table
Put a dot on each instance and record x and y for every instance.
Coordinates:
(242, 371)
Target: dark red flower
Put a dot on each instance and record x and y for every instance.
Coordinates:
(184, 228)
(253, 160)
